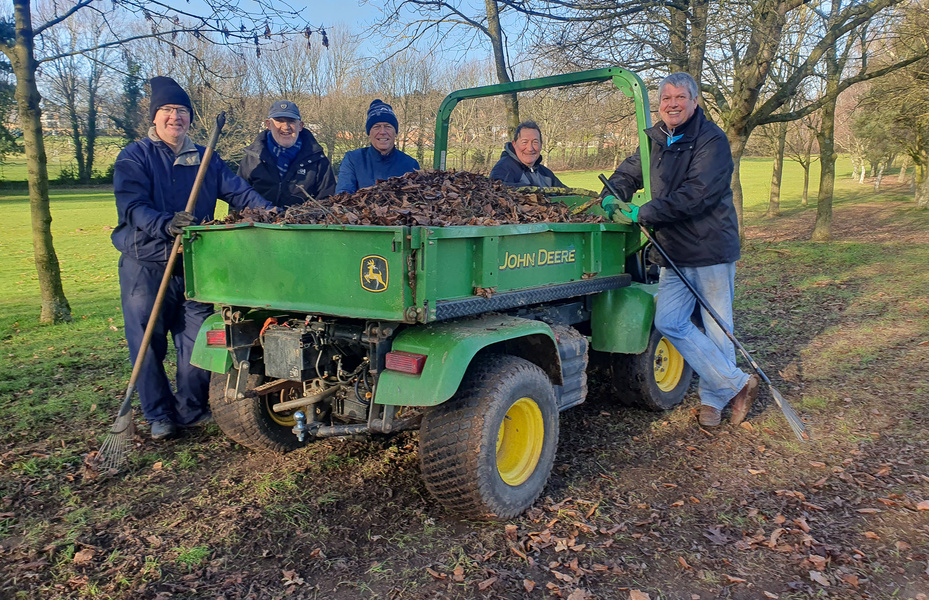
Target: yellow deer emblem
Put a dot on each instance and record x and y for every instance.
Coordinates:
(373, 276)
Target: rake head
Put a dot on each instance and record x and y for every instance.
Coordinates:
(113, 451)
(793, 419)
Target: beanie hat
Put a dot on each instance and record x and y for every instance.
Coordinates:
(380, 112)
(166, 91)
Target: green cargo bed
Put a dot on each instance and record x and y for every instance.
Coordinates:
(408, 274)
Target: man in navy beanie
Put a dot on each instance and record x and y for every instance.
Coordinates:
(380, 160)
(152, 181)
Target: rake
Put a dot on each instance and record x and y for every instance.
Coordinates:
(793, 419)
(113, 451)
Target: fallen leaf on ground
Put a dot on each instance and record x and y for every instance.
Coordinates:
(819, 578)
(528, 585)
(684, 564)
(924, 505)
(637, 595)
(732, 579)
(868, 511)
(871, 535)
(436, 574)
(83, 557)
(757, 471)
(901, 546)
(817, 464)
(486, 583)
(850, 579)
(511, 532)
(770, 595)
(458, 574)
(578, 594)
(746, 425)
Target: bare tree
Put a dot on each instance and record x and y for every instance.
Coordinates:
(431, 22)
(221, 21)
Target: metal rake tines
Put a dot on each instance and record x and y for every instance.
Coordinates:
(113, 451)
(793, 419)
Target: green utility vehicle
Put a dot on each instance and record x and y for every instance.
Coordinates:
(477, 336)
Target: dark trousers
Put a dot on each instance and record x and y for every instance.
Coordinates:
(138, 286)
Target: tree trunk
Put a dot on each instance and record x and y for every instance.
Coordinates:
(804, 199)
(737, 146)
(510, 101)
(822, 230)
(55, 307)
(921, 182)
(880, 176)
(774, 200)
(901, 179)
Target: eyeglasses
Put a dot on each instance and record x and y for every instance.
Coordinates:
(180, 110)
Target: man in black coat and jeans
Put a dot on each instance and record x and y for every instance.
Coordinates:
(286, 156)
(694, 220)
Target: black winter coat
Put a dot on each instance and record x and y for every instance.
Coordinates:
(310, 168)
(691, 209)
(511, 171)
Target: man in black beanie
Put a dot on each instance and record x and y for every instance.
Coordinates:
(380, 160)
(152, 181)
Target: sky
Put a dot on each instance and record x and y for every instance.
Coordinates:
(331, 12)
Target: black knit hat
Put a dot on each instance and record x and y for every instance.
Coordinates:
(166, 91)
(380, 112)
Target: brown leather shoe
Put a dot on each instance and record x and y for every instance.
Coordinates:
(742, 403)
(709, 416)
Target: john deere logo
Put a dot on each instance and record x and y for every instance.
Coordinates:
(374, 275)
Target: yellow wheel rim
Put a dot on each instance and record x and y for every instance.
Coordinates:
(669, 365)
(519, 441)
(286, 418)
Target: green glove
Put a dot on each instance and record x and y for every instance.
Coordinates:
(610, 204)
(631, 213)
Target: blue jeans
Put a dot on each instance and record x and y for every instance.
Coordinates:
(711, 354)
(181, 318)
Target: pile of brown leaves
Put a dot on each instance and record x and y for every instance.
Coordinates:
(434, 198)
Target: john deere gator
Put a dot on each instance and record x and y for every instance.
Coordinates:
(341, 330)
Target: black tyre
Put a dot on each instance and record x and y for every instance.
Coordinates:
(655, 380)
(488, 451)
(250, 421)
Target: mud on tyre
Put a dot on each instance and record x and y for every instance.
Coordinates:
(488, 451)
(251, 421)
(655, 380)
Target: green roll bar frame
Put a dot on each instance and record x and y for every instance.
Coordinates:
(625, 81)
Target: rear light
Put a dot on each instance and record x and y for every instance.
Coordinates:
(216, 337)
(405, 362)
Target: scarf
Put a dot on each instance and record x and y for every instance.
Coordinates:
(284, 155)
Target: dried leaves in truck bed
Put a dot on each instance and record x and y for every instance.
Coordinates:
(435, 198)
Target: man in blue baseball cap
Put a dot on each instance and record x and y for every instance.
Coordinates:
(286, 157)
(380, 159)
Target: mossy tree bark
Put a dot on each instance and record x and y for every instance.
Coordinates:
(21, 53)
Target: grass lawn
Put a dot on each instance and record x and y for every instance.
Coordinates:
(636, 501)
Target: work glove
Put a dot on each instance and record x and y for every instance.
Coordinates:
(610, 204)
(631, 213)
(179, 221)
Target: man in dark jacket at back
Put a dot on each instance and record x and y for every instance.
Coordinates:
(694, 220)
(286, 156)
(521, 161)
(152, 180)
